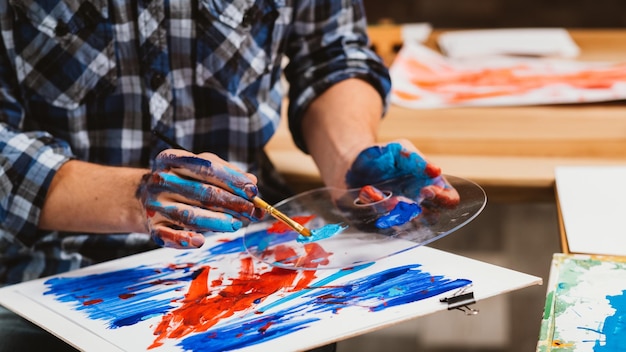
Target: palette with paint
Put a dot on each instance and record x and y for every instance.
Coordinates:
(362, 238)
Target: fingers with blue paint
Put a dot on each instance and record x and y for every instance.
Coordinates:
(385, 162)
(396, 210)
(186, 195)
(209, 168)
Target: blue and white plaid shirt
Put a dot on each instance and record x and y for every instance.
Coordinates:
(90, 79)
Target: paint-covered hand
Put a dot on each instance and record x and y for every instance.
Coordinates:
(397, 159)
(186, 195)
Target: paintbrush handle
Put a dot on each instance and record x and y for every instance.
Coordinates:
(282, 217)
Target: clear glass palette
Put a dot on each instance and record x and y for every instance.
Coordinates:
(362, 240)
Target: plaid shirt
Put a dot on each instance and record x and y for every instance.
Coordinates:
(91, 79)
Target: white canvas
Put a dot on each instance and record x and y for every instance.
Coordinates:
(593, 207)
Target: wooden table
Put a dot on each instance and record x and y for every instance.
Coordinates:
(510, 151)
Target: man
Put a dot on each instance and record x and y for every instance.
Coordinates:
(84, 84)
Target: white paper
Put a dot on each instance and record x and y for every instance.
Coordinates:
(593, 205)
(92, 308)
(553, 42)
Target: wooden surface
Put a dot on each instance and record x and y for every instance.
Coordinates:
(510, 151)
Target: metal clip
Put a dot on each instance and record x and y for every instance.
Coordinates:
(461, 301)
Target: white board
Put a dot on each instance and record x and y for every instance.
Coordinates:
(592, 200)
(229, 301)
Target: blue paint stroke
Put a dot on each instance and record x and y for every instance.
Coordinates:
(323, 232)
(264, 239)
(238, 334)
(260, 239)
(614, 327)
(402, 213)
(376, 292)
(100, 296)
(389, 288)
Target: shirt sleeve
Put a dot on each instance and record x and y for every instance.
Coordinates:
(28, 161)
(328, 44)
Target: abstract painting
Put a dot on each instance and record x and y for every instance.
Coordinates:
(219, 298)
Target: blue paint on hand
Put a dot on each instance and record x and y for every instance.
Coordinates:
(321, 233)
(401, 214)
(380, 163)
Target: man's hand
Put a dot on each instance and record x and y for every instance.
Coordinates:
(187, 194)
(385, 162)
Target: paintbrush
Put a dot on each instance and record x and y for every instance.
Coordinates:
(256, 200)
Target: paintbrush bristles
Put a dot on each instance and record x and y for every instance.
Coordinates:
(282, 217)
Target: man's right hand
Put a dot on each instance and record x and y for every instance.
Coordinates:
(187, 194)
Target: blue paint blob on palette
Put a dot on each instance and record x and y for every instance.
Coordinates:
(361, 233)
(321, 233)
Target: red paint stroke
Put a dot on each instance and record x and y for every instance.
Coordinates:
(405, 95)
(314, 256)
(279, 227)
(207, 303)
(162, 282)
(180, 266)
(264, 328)
(92, 302)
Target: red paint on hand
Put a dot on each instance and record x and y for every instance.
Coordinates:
(447, 197)
(370, 194)
(432, 171)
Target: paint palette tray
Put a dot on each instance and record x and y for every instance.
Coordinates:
(362, 241)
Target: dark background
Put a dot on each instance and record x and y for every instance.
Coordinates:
(501, 13)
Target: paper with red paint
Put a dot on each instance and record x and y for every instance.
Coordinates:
(220, 298)
(424, 79)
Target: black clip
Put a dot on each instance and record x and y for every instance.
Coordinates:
(461, 301)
